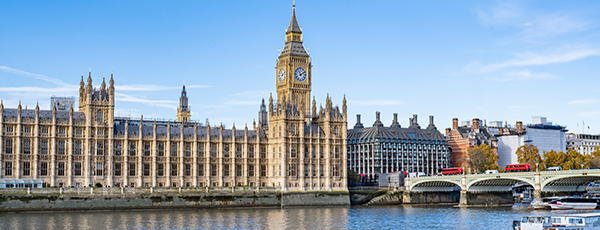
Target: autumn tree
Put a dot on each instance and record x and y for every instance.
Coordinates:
(595, 158)
(575, 160)
(529, 154)
(482, 158)
(553, 158)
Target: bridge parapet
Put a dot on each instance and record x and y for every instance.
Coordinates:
(568, 180)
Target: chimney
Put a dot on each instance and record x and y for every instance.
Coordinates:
(358, 125)
(415, 118)
(447, 131)
(475, 124)
(430, 119)
(519, 126)
(395, 123)
(454, 123)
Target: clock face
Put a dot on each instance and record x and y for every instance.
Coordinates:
(281, 75)
(300, 74)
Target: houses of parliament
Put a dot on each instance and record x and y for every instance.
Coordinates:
(295, 145)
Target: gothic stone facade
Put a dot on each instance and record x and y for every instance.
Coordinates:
(294, 146)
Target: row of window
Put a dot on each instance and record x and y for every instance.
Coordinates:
(45, 130)
(98, 169)
(391, 146)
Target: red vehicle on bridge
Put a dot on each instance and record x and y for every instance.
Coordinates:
(518, 168)
(452, 171)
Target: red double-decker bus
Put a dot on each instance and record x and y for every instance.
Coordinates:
(452, 171)
(518, 168)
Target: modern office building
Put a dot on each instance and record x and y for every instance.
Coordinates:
(295, 146)
(380, 149)
(541, 133)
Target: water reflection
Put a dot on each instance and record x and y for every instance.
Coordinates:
(357, 217)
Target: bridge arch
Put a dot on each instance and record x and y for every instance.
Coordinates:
(443, 185)
(498, 183)
(567, 183)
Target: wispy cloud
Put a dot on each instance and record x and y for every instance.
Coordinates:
(552, 25)
(533, 24)
(36, 89)
(375, 102)
(522, 75)
(499, 14)
(154, 87)
(522, 107)
(250, 102)
(593, 114)
(584, 102)
(34, 76)
(533, 59)
(160, 103)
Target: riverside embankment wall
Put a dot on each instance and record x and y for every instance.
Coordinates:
(49, 199)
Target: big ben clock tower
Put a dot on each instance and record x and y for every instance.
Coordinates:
(294, 68)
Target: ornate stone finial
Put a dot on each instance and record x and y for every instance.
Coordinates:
(37, 106)
(89, 80)
(111, 82)
(314, 106)
(103, 84)
(81, 84)
(344, 107)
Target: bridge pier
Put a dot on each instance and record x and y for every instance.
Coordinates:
(464, 198)
(537, 188)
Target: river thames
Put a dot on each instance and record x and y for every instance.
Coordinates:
(354, 217)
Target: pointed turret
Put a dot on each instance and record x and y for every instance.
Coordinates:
(293, 27)
(81, 83)
(89, 80)
(263, 116)
(111, 82)
(344, 107)
(314, 106)
(183, 111)
(103, 86)
(293, 38)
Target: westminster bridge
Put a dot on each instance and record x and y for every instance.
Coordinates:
(475, 186)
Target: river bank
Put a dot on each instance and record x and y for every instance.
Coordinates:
(74, 199)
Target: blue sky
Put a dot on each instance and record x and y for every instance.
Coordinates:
(494, 60)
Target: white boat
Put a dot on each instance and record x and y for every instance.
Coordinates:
(587, 221)
(574, 203)
(543, 202)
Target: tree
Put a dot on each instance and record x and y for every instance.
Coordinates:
(575, 160)
(353, 177)
(529, 154)
(482, 158)
(595, 158)
(553, 158)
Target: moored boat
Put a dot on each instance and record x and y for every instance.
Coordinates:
(574, 203)
(543, 202)
(587, 221)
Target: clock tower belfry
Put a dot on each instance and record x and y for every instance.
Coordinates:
(294, 68)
